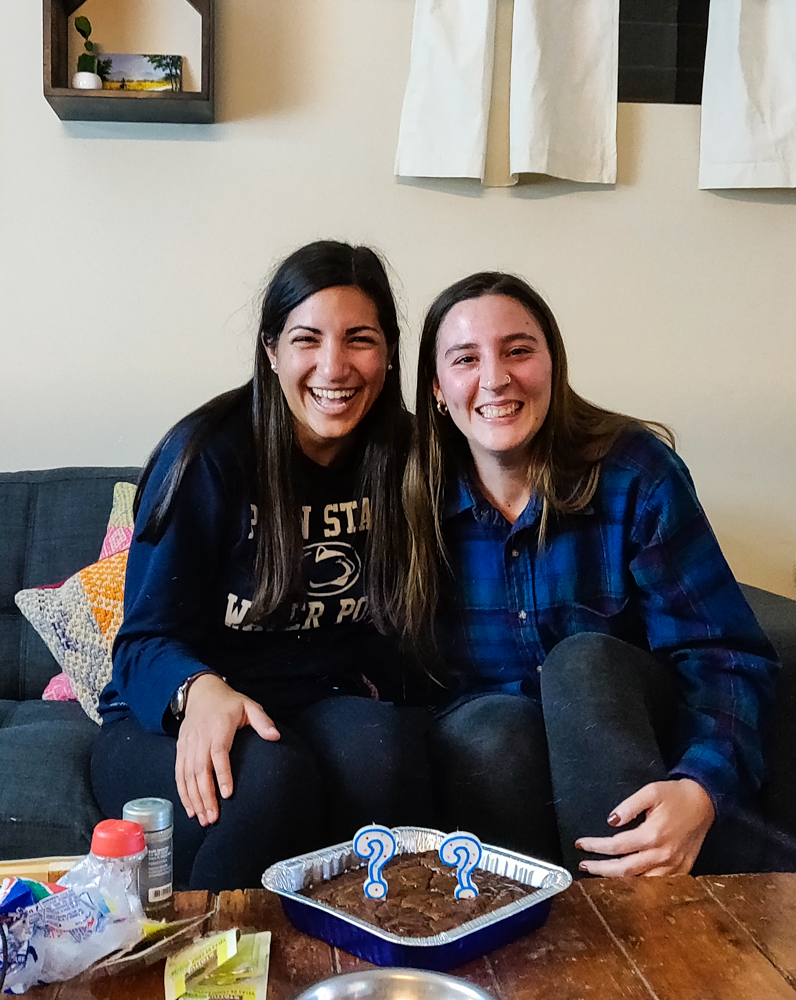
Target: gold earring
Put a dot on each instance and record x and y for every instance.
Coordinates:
(443, 409)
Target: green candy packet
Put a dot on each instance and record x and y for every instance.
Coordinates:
(243, 977)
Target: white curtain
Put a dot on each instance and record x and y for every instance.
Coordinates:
(749, 95)
(446, 104)
(564, 71)
(563, 89)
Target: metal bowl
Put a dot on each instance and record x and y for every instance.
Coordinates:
(394, 984)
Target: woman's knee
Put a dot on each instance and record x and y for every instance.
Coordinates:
(585, 647)
(592, 665)
(495, 729)
(588, 656)
(271, 777)
(275, 811)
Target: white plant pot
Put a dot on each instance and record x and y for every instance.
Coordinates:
(86, 81)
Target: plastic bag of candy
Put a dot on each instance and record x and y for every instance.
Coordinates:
(53, 932)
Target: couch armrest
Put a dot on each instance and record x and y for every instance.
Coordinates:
(777, 615)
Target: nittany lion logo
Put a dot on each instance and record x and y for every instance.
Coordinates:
(330, 568)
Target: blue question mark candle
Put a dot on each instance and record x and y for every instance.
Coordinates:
(376, 843)
(464, 851)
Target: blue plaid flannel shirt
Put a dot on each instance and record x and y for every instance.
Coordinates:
(640, 563)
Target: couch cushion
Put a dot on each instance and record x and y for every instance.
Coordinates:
(46, 802)
(52, 524)
(777, 615)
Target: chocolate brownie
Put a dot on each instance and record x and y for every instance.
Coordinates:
(420, 899)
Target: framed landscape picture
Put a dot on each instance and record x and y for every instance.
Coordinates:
(120, 71)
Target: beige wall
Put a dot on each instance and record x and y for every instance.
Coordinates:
(130, 256)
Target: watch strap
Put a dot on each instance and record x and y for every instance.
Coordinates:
(180, 696)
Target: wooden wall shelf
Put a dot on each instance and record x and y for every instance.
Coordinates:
(122, 105)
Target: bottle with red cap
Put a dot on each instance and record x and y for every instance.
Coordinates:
(110, 872)
(118, 838)
(120, 845)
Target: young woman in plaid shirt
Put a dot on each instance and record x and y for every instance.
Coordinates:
(606, 680)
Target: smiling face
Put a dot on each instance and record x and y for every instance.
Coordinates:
(331, 360)
(494, 373)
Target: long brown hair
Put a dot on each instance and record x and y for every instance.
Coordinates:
(564, 458)
(384, 431)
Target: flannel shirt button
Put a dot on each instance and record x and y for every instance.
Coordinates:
(523, 615)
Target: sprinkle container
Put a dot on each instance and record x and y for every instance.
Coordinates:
(441, 952)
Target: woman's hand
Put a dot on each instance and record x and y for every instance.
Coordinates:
(679, 815)
(214, 712)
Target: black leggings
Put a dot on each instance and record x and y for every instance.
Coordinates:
(534, 776)
(341, 763)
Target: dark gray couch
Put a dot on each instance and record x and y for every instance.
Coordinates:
(51, 525)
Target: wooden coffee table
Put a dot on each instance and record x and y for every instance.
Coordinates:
(679, 938)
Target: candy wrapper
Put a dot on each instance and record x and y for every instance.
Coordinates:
(200, 958)
(19, 907)
(243, 977)
(54, 932)
(198, 972)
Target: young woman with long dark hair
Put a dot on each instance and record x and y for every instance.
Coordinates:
(610, 681)
(262, 577)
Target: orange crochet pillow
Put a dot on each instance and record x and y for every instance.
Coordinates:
(78, 622)
(79, 618)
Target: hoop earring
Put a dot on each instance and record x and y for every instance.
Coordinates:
(442, 407)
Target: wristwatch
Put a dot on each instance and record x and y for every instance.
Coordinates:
(180, 696)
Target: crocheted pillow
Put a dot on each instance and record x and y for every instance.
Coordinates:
(118, 535)
(119, 532)
(78, 622)
(79, 618)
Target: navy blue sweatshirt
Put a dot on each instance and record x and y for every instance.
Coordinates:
(186, 597)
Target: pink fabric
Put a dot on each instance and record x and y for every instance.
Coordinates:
(116, 540)
(59, 689)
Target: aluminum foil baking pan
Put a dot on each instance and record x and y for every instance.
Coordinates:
(394, 984)
(441, 952)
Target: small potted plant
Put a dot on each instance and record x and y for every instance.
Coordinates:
(86, 77)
